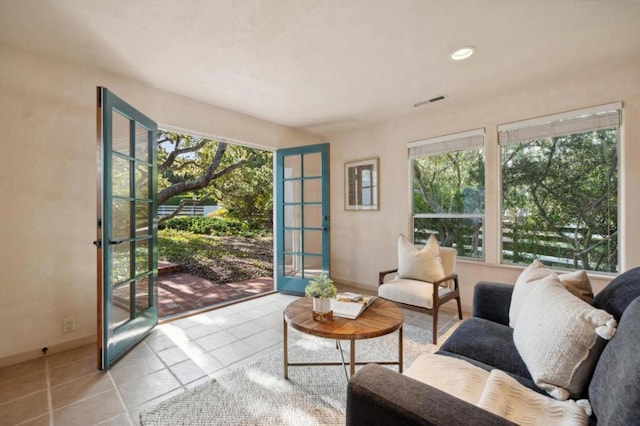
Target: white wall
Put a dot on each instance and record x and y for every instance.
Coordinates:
(48, 122)
(364, 242)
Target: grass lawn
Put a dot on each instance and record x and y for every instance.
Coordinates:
(223, 259)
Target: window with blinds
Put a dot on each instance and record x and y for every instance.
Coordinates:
(560, 189)
(448, 191)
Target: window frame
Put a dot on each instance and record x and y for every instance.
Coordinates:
(472, 139)
(602, 117)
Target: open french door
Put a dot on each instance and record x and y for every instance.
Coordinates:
(302, 216)
(126, 228)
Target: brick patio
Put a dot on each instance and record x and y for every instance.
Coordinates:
(179, 292)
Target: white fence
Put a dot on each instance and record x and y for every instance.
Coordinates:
(187, 210)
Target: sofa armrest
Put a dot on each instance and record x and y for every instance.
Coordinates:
(491, 301)
(379, 396)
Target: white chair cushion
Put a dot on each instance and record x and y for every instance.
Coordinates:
(410, 292)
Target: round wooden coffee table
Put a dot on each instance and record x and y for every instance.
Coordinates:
(381, 318)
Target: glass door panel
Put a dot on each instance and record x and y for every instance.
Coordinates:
(127, 230)
(302, 219)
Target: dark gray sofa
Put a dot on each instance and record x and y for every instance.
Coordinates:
(380, 396)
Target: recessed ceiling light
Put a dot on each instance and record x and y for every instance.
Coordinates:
(463, 53)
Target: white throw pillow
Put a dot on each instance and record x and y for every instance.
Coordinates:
(420, 264)
(532, 274)
(576, 282)
(557, 337)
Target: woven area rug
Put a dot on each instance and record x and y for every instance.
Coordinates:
(259, 395)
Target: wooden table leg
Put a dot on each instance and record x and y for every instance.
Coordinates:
(400, 362)
(286, 349)
(352, 358)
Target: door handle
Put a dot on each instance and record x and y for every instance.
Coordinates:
(115, 242)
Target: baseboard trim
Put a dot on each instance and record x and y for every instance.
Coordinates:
(53, 349)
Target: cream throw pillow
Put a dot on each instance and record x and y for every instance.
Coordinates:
(420, 264)
(557, 337)
(576, 282)
(532, 274)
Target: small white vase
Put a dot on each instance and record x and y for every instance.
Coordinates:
(321, 306)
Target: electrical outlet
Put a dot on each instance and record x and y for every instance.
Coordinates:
(68, 325)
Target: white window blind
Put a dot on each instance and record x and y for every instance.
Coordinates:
(581, 121)
(454, 142)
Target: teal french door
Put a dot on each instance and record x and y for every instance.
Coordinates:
(127, 227)
(302, 216)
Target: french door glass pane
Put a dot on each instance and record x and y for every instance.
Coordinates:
(292, 166)
(142, 143)
(312, 266)
(121, 306)
(312, 190)
(292, 240)
(312, 216)
(312, 165)
(121, 262)
(121, 219)
(292, 264)
(142, 294)
(292, 191)
(142, 181)
(121, 178)
(313, 242)
(142, 256)
(143, 211)
(121, 134)
(292, 216)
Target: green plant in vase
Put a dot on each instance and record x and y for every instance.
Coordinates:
(321, 289)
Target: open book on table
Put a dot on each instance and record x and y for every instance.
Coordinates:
(350, 305)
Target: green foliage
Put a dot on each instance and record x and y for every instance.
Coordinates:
(220, 259)
(247, 193)
(239, 177)
(209, 226)
(321, 286)
(451, 182)
(560, 200)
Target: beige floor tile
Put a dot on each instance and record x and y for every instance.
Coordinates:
(67, 357)
(187, 371)
(39, 421)
(119, 420)
(73, 370)
(130, 369)
(216, 340)
(25, 408)
(148, 387)
(90, 411)
(79, 389)
(23, 369)
(233, 352)
(22, 386)
(173, 355)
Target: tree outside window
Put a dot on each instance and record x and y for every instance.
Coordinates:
(559, 201)
(448, 199)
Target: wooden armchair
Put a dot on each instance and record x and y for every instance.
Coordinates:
(424, 296)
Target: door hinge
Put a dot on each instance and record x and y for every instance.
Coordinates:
(98, 243)
(99, 223)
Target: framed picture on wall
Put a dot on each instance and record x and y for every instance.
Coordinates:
(361, 185)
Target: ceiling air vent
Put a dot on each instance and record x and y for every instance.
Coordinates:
(432, 100)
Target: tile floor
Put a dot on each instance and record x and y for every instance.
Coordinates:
(66, 389)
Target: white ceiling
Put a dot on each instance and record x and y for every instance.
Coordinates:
(328, 65)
